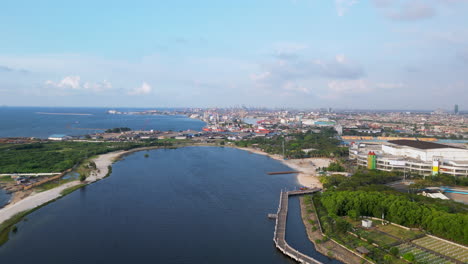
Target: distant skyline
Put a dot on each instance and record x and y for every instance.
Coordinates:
(348, 54)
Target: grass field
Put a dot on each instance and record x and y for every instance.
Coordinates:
(399, 232)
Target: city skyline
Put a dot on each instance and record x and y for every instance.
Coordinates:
(307, 54)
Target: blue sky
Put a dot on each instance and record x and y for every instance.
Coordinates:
(375, 54)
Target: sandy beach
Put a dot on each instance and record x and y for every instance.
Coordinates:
(308, 176)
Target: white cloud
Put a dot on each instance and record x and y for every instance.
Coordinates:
(340, 88)
(342, 6)
(74, 83)
(145, 88)
(98, 87)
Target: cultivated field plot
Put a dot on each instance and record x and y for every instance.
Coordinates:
(444, 248)
(399, 232)
(378, 237)
(422, 256)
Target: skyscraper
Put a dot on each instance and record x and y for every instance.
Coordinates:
(455, 110)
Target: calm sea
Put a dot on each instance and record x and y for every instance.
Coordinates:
(32, 122)
(187, 205)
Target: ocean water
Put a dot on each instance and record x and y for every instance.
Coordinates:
(186, 205)
(29, 122)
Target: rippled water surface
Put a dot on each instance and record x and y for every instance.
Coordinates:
(187, 205)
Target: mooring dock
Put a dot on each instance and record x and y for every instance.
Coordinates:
(280, 228)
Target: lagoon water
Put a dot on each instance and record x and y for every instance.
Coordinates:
(187, 205)
(29, 122)
(4, 197)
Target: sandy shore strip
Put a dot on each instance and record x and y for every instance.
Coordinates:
(38, 199)
(308, 176)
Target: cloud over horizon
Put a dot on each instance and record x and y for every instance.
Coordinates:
(74, 83)
(144, 89)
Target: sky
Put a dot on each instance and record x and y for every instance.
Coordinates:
(348, 54)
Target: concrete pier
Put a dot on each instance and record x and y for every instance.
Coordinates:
(280, 228)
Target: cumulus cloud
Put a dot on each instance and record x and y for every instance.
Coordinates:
(294, 68)
(342, 6)
(74, 83)
(293, 74)
(145, 88)
(340, 88)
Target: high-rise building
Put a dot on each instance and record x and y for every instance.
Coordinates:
(455, 110)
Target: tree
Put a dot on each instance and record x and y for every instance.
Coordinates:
(342, 226)
(82, 177)
(394, 251)
(354, 214)
(388, 259)
(409, 256)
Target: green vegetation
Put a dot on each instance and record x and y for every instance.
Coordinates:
(82, 177)
(408, 256)
(442, 180)
(444, 248)
(325, 144)
(146, 155)
(6, 179)
(335, 166)
(58, 156)
(361, 180)
(333, 226)
(398, 209)
(118, 130)
(72, 189)
(417, 255)
(7, 226)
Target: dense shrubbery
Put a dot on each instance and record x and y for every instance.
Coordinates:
(335, 166)
(444, 179)
(398, 209)
(324, 143)
(56, 156)
(362, 179)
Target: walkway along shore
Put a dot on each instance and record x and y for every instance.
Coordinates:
(102, 168)
(280, 229)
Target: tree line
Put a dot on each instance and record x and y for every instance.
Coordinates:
(399, 209)
(323, 144)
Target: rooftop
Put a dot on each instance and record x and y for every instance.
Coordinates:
(419, 144)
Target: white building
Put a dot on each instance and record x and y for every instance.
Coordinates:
(416, 157)
(366, 223)
(58, 137)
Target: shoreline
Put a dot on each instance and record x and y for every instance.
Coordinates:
(307, 178)
(307, 167)
(36, 200)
